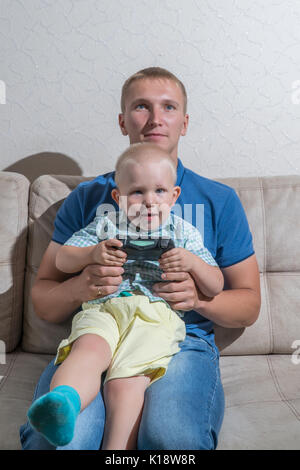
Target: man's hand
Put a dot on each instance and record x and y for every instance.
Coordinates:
(96, 281)
(56, 295)
(180, 292)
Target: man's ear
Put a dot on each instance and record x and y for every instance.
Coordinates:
(185, 125)
(122, 124)
(115, 194)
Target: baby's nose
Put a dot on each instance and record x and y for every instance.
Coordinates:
(150, 199)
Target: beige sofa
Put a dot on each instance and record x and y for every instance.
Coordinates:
(260, 373)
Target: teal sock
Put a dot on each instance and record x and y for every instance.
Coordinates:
(54, 414)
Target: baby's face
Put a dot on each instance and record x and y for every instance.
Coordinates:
(147, 193)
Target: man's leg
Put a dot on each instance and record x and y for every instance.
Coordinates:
(124, 399)
(184, 409)
(89, 425)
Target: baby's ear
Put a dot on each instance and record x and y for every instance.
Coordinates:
(176, 193)
(115, 194)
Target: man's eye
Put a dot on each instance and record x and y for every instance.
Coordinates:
(170, 107)
(141, 106)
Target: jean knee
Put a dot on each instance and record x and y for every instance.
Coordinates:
(185, 439)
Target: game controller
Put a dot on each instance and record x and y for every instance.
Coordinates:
(145, 248)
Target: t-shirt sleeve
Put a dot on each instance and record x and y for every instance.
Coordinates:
(194, 243)
(69, 217)
(86, 236)
(234, 237)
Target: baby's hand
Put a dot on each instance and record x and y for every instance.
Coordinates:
(104, 253)
(175, 260)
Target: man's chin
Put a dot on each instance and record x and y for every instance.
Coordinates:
(161, 142)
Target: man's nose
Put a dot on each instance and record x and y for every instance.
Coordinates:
(155, 117)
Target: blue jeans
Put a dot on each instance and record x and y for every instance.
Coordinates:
(182, 410)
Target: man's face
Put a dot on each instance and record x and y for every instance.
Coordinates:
(154, 112)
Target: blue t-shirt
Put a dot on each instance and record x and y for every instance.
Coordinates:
(214, 208)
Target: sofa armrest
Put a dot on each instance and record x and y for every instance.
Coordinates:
(14, 191)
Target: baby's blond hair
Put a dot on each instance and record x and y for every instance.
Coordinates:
(142, 152)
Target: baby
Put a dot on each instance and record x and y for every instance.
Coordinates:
(131, 334)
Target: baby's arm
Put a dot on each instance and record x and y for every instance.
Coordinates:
(209, 279)
(72, 259)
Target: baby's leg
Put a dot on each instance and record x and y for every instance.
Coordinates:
(89, 357)
(74, 385)
(124, 399)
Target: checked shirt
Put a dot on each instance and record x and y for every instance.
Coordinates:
(141, 275)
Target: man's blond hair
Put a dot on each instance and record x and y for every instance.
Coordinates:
(143, 152)
(152, 73)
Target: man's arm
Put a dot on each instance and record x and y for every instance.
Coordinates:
(236, 307)
(56, 295)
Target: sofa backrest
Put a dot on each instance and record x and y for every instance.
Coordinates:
(272, 207)
(47, 193)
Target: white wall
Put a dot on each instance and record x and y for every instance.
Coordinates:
(64, 61)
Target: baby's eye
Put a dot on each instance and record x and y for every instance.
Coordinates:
(170, 107)
(160, 190)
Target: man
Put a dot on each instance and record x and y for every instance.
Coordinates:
(190, 396)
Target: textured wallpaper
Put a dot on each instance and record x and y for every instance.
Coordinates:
(63, 62)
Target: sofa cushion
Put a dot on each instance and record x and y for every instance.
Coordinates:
(18, 378)
(262, 403)
(262, 400)
(13, 239)
(271, 203)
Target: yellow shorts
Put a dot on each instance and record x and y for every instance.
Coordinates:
(143, 335)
